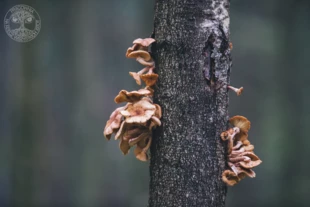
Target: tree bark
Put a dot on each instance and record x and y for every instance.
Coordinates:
(193, 61)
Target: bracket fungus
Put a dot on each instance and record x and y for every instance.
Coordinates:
(241, 158)
(133, 123)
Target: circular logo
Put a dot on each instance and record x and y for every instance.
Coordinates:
(22, 23)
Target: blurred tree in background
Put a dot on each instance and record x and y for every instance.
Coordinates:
(57, 91)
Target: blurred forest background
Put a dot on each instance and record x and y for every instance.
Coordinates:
(57, 91)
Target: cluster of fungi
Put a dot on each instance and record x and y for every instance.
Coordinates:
(133, 123)
(241, 158)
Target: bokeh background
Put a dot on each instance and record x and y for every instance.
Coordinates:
(57, 91)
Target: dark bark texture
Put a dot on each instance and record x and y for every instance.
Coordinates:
(193, 61)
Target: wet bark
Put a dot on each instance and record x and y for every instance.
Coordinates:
(193, 61)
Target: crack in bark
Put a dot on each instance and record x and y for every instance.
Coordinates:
(209, 63)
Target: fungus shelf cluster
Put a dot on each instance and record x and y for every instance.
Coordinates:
(134, 122)
(241, 158)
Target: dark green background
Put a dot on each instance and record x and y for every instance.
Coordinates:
(57, 91)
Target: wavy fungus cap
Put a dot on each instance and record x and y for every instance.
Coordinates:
(155, 120)
(114, 123)
(140, 44)
(131, 49)
(139, 112)
(230, 178)
(254, 160)
(125, 96)
(124, 146)
(144, 42)
(141, 149)
(140, 53)
(136, 132)
(243, 124)
(149, 79)
(243, 172)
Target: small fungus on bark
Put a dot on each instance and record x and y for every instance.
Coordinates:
(237, 90)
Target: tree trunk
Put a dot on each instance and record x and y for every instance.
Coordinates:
(193, 62)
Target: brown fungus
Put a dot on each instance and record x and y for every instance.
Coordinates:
(237, 90)
(133, 96)
(230, 178)
(121, 131)
(230, 135)
(142, 148)
(133, 124)
(242, 172)
(243, 124)
(131, 49)
(140, 53)
(140, 44)
(133, 131)
(136, 76)
(237, 145)
(155, 120)
(144, 42)
(142, 61)
(149, 79)
(142, 136)
(248, 148)
(253, 162)
(143, 57)
(241, 161)
(139, 112)
(124, 146)
(114, 123)
(136, 132)
(246, 173)
(150, 89)
(241, 158)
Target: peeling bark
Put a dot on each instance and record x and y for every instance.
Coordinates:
(193, 62)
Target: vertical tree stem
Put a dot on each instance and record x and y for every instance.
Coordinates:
(193, 61)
